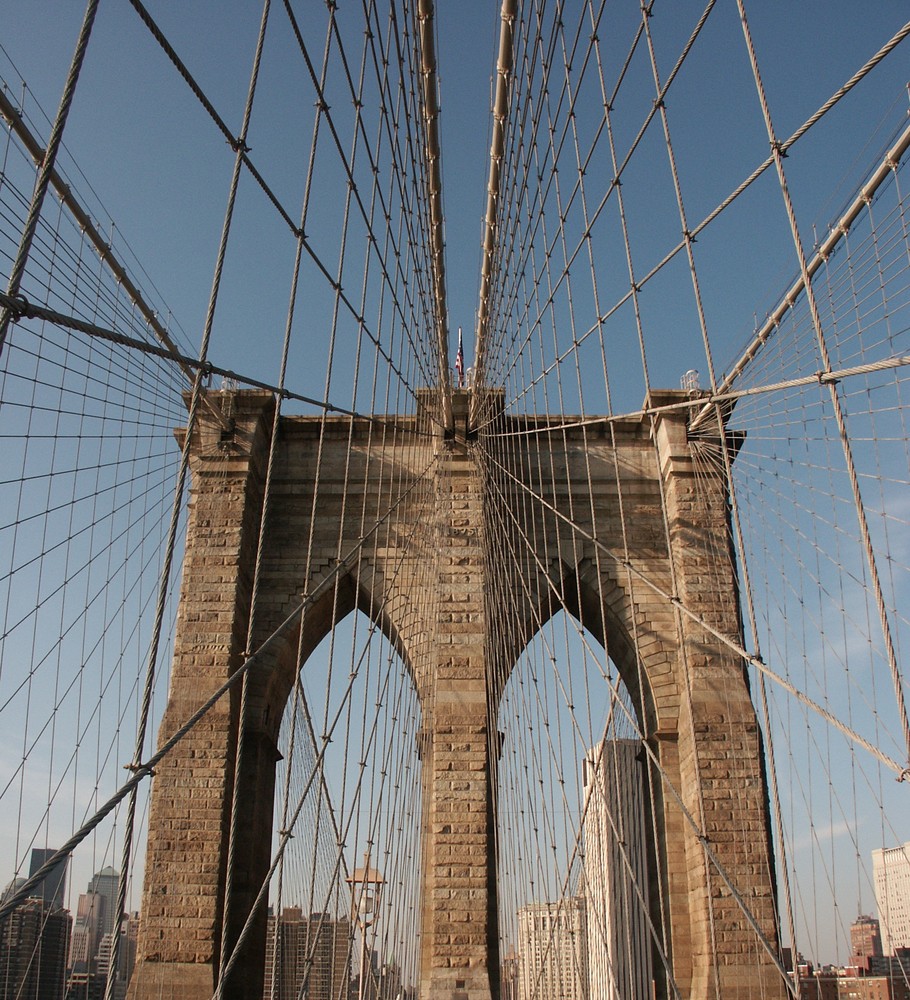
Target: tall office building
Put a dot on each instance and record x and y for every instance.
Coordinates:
(34, 938)
(307, 956)
(12, 888)
(126, 956)
(891, 878)
(508, 976)
(616, 873)
(52, 888)
(86, 932)
(552, 951)
(96, 914)
(865, 942)
(105, 885)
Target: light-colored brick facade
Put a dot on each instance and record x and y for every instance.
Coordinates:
(891, 879)
(553, 950)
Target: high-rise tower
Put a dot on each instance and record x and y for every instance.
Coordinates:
(891, 876)
(552, 951)
(616, 873)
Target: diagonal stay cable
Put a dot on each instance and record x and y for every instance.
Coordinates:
(16, 122)
(28, 310)
(243, 153)
(819, 258)
(864, 70)
(354, 190)
(665, 778)
(755, 661)
(785, 145)
(707, 399)
(615, 182)
(146, 769)
(836, 403)
(44, 175)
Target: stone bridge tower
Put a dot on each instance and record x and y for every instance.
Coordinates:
(696, 713)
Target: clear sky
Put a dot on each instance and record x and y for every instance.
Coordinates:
(161, 171)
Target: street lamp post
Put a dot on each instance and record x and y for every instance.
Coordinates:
(366, 888)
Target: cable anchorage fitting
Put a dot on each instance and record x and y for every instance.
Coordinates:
(137, 768)
(18, 306)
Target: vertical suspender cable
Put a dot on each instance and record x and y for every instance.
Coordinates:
(434, 181)
(151, 667)
(836, 404)
(500, 114)
(824, 250)
(47, 168)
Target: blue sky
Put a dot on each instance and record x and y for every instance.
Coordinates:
(161, 169)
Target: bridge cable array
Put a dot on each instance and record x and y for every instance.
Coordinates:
(591, 267)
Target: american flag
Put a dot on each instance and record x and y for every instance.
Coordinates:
(459, 362)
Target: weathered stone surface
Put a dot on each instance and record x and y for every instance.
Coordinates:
(430, 582)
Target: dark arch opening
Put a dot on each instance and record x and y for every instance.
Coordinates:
(586, 861)
(344, 778)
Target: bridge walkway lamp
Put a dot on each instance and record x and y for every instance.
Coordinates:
(366, 889)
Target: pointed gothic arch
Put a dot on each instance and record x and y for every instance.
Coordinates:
(437, 585)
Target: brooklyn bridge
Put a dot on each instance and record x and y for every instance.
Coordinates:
(454, 510)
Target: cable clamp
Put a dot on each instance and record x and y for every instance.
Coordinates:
(904, 775)
(138, 768)
(239, 146)
(18, 305)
